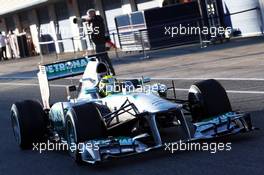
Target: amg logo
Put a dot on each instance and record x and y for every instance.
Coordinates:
(65, 66)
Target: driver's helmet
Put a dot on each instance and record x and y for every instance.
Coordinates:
(107, 85)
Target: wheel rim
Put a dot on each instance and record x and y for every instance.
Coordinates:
(16, 127)
(71, 136)
(196, 103)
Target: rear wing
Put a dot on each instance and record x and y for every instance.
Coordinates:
(59, 70)
(64, 69)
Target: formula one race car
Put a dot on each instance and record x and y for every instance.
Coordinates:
(119, 118)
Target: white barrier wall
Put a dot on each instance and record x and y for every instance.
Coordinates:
(34, 28)
(250, 22)
(79, 45)
(147, 4)
(261, 4)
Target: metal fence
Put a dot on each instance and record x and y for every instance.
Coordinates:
(136, 40)
(49, 49)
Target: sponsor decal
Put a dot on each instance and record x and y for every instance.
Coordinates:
(66, 68)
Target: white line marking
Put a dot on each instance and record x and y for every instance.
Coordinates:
(228, 79)
(228, 91)
(244, 92)
(21, 78)
(30, 84)
(15, 78)
(177, 89)
(160, 78)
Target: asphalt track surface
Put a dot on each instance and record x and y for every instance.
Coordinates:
(239, 63)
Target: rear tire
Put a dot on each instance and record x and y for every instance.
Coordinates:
(208, 99)
(83, 123)
(28, 123)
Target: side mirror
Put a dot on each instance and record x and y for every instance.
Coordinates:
(70, 90)
(75, 20)
(146, 79)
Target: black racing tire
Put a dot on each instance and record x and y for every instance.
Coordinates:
(83, 123)
(28, 123)
(207, 99)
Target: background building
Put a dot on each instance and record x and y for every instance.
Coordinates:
(47, 20)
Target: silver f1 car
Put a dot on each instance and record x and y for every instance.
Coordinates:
(120, 118)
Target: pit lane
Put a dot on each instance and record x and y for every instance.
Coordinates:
(239, 64)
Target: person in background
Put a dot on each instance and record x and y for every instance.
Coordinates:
(10, 51)
(12, 38)
(97, 25)
(3, 55)
(30, 45)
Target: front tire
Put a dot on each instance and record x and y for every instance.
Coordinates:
(28, 123)
(83, 123)
(208, 99)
